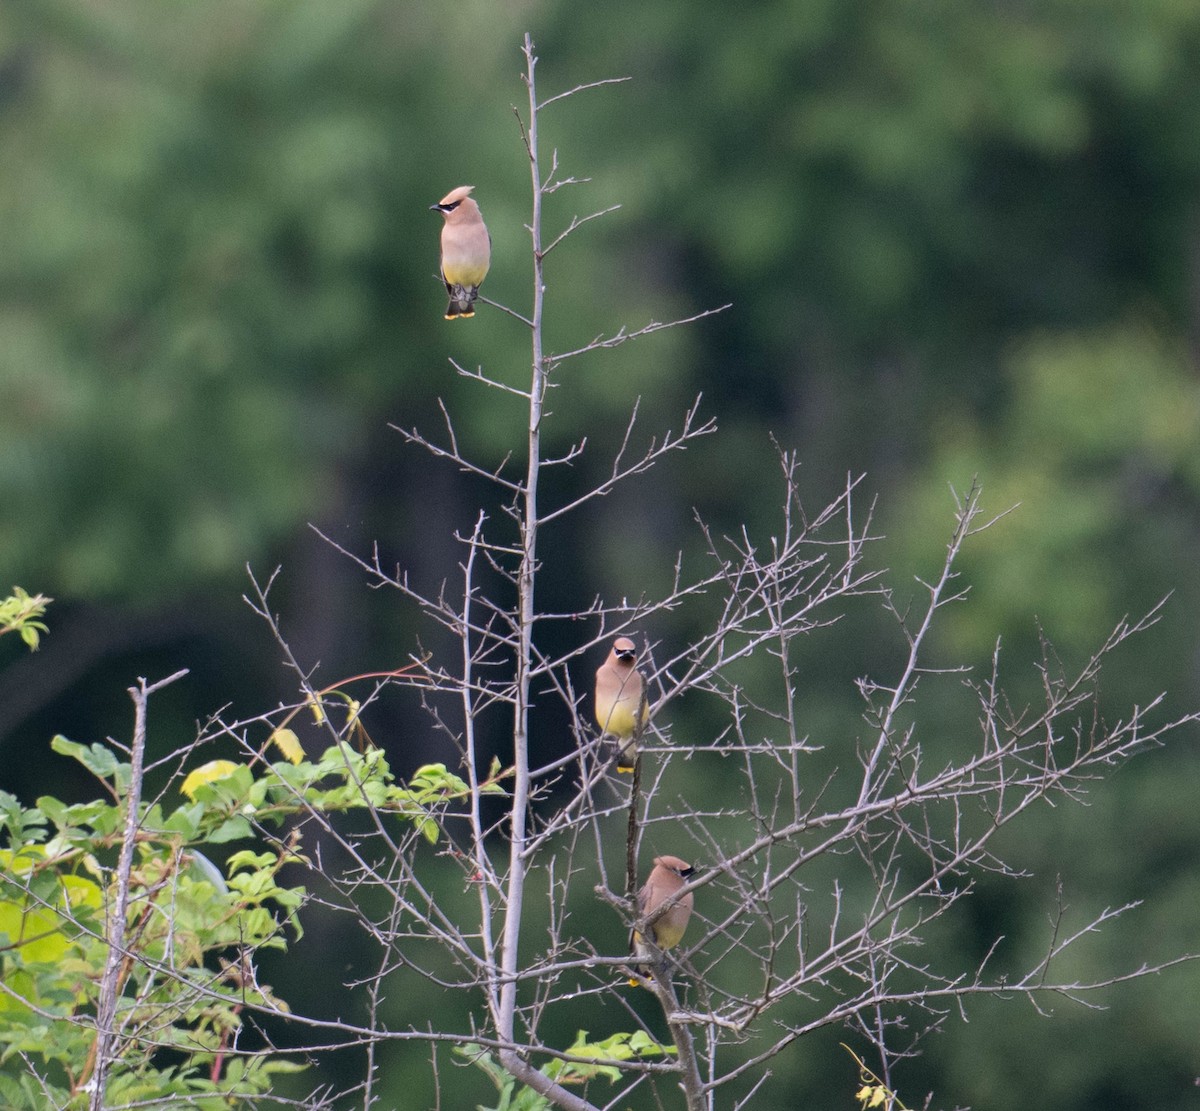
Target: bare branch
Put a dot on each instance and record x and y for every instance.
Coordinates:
(576, 222)
(581, 88)
(622, 336)
(104, 1049)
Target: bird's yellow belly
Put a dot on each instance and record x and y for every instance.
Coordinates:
(463, 274)
(619, 719)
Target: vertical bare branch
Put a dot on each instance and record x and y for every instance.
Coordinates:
(108, 1000)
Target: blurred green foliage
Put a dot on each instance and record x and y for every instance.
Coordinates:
(21, 613)
(960, 240)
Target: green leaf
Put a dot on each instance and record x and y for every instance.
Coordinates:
(232, 829)
(95, 757)
(185, 820)
(55, 810)
(249, 859)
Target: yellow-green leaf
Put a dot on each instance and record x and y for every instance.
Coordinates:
(207, 773)
(288, 744)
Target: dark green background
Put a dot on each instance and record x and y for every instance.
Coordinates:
(960, 239)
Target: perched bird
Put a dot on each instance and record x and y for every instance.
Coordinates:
(666, 878)
(466, 250)
(621, 707)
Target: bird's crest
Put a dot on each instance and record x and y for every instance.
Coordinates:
(456, 195)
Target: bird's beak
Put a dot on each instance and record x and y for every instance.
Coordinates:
(435, 208)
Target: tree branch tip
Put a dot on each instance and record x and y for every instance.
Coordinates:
(145, 688)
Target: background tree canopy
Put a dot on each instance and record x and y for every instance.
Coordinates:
(958, 240)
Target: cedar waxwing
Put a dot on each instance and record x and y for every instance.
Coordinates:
(621, 707)
(466, 250)
(668, 875)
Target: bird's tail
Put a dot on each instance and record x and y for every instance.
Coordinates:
(639, 954)
(462, 301)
